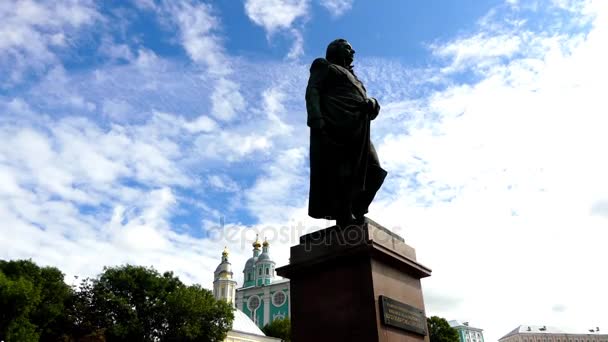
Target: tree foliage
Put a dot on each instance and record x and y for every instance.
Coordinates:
(194, 312)
(126, 303)
(133, 303)
(441, 331)
(33, 301)
(280, 328)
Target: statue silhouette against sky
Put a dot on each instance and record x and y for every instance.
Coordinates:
(345, 172)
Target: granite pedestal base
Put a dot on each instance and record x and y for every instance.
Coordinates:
(361, 283)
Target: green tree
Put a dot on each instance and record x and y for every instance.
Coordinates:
(133, 303)
(441, 331)
(280, 328)
(33, 301)
(195, 315)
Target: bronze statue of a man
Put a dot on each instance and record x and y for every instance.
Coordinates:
(345, 172)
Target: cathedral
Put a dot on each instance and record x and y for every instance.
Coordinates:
(261, 299)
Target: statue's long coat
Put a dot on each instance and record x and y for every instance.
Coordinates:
(343, 161)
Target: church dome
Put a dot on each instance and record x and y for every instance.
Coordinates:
(223, 267)
(257, 243)
(250, 263)
(223, 271)
(263, 257)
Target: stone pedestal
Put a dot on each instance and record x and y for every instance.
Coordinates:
(361, 283)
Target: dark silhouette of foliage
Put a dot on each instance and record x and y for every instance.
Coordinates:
(280, 328)
(134, 303)
(33, 301)
(441, 331)
(125, 303)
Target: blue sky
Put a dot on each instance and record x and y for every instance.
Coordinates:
(158, 132)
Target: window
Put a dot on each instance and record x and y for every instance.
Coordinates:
(260, 273)
(253, 303)
(267, 272)
(278, 298)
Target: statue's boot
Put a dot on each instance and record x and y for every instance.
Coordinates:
(346, 220)
(360, 204)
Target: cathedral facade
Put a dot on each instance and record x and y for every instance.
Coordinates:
(224, 288)
(262, 297)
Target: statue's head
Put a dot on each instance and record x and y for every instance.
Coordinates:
(340, 52)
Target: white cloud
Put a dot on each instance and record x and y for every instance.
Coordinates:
(480, 48)
(80, 194)
(275, 109)
(287, 17)
(52, 169)
(232, 146)
(201, 124)
(30, 31)
(275, 15)
(506, 170)
(146, 4)
(198, 28)
(199, 33)
(297, 48)
(281, 179)
(280, 15)
(223, 183)
(498, 182)
(337, 7)
(117, 110)
(226, 100)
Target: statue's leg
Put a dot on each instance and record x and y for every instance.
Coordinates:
(344, 215)
(374, 178)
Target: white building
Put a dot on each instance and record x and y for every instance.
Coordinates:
(224, 288)
(534, 333)
(466, 332)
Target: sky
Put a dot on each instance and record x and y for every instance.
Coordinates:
(156, 132)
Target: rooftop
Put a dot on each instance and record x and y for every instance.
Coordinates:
(244, 324)
(544, 329)
(275, 282)
(457, 323)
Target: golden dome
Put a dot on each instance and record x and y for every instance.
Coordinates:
(225, 252)
(257, 243)
(266, 244)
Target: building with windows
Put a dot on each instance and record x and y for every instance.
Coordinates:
(466, 332)
(224, 288)
(262, 297)
(533, 333)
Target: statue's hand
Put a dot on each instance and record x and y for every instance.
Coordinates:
(370, 105)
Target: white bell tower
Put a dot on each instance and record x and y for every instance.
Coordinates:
(224, 287)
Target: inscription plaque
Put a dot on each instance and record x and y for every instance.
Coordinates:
(402, 316)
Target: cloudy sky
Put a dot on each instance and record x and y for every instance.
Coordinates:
(157, 132)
